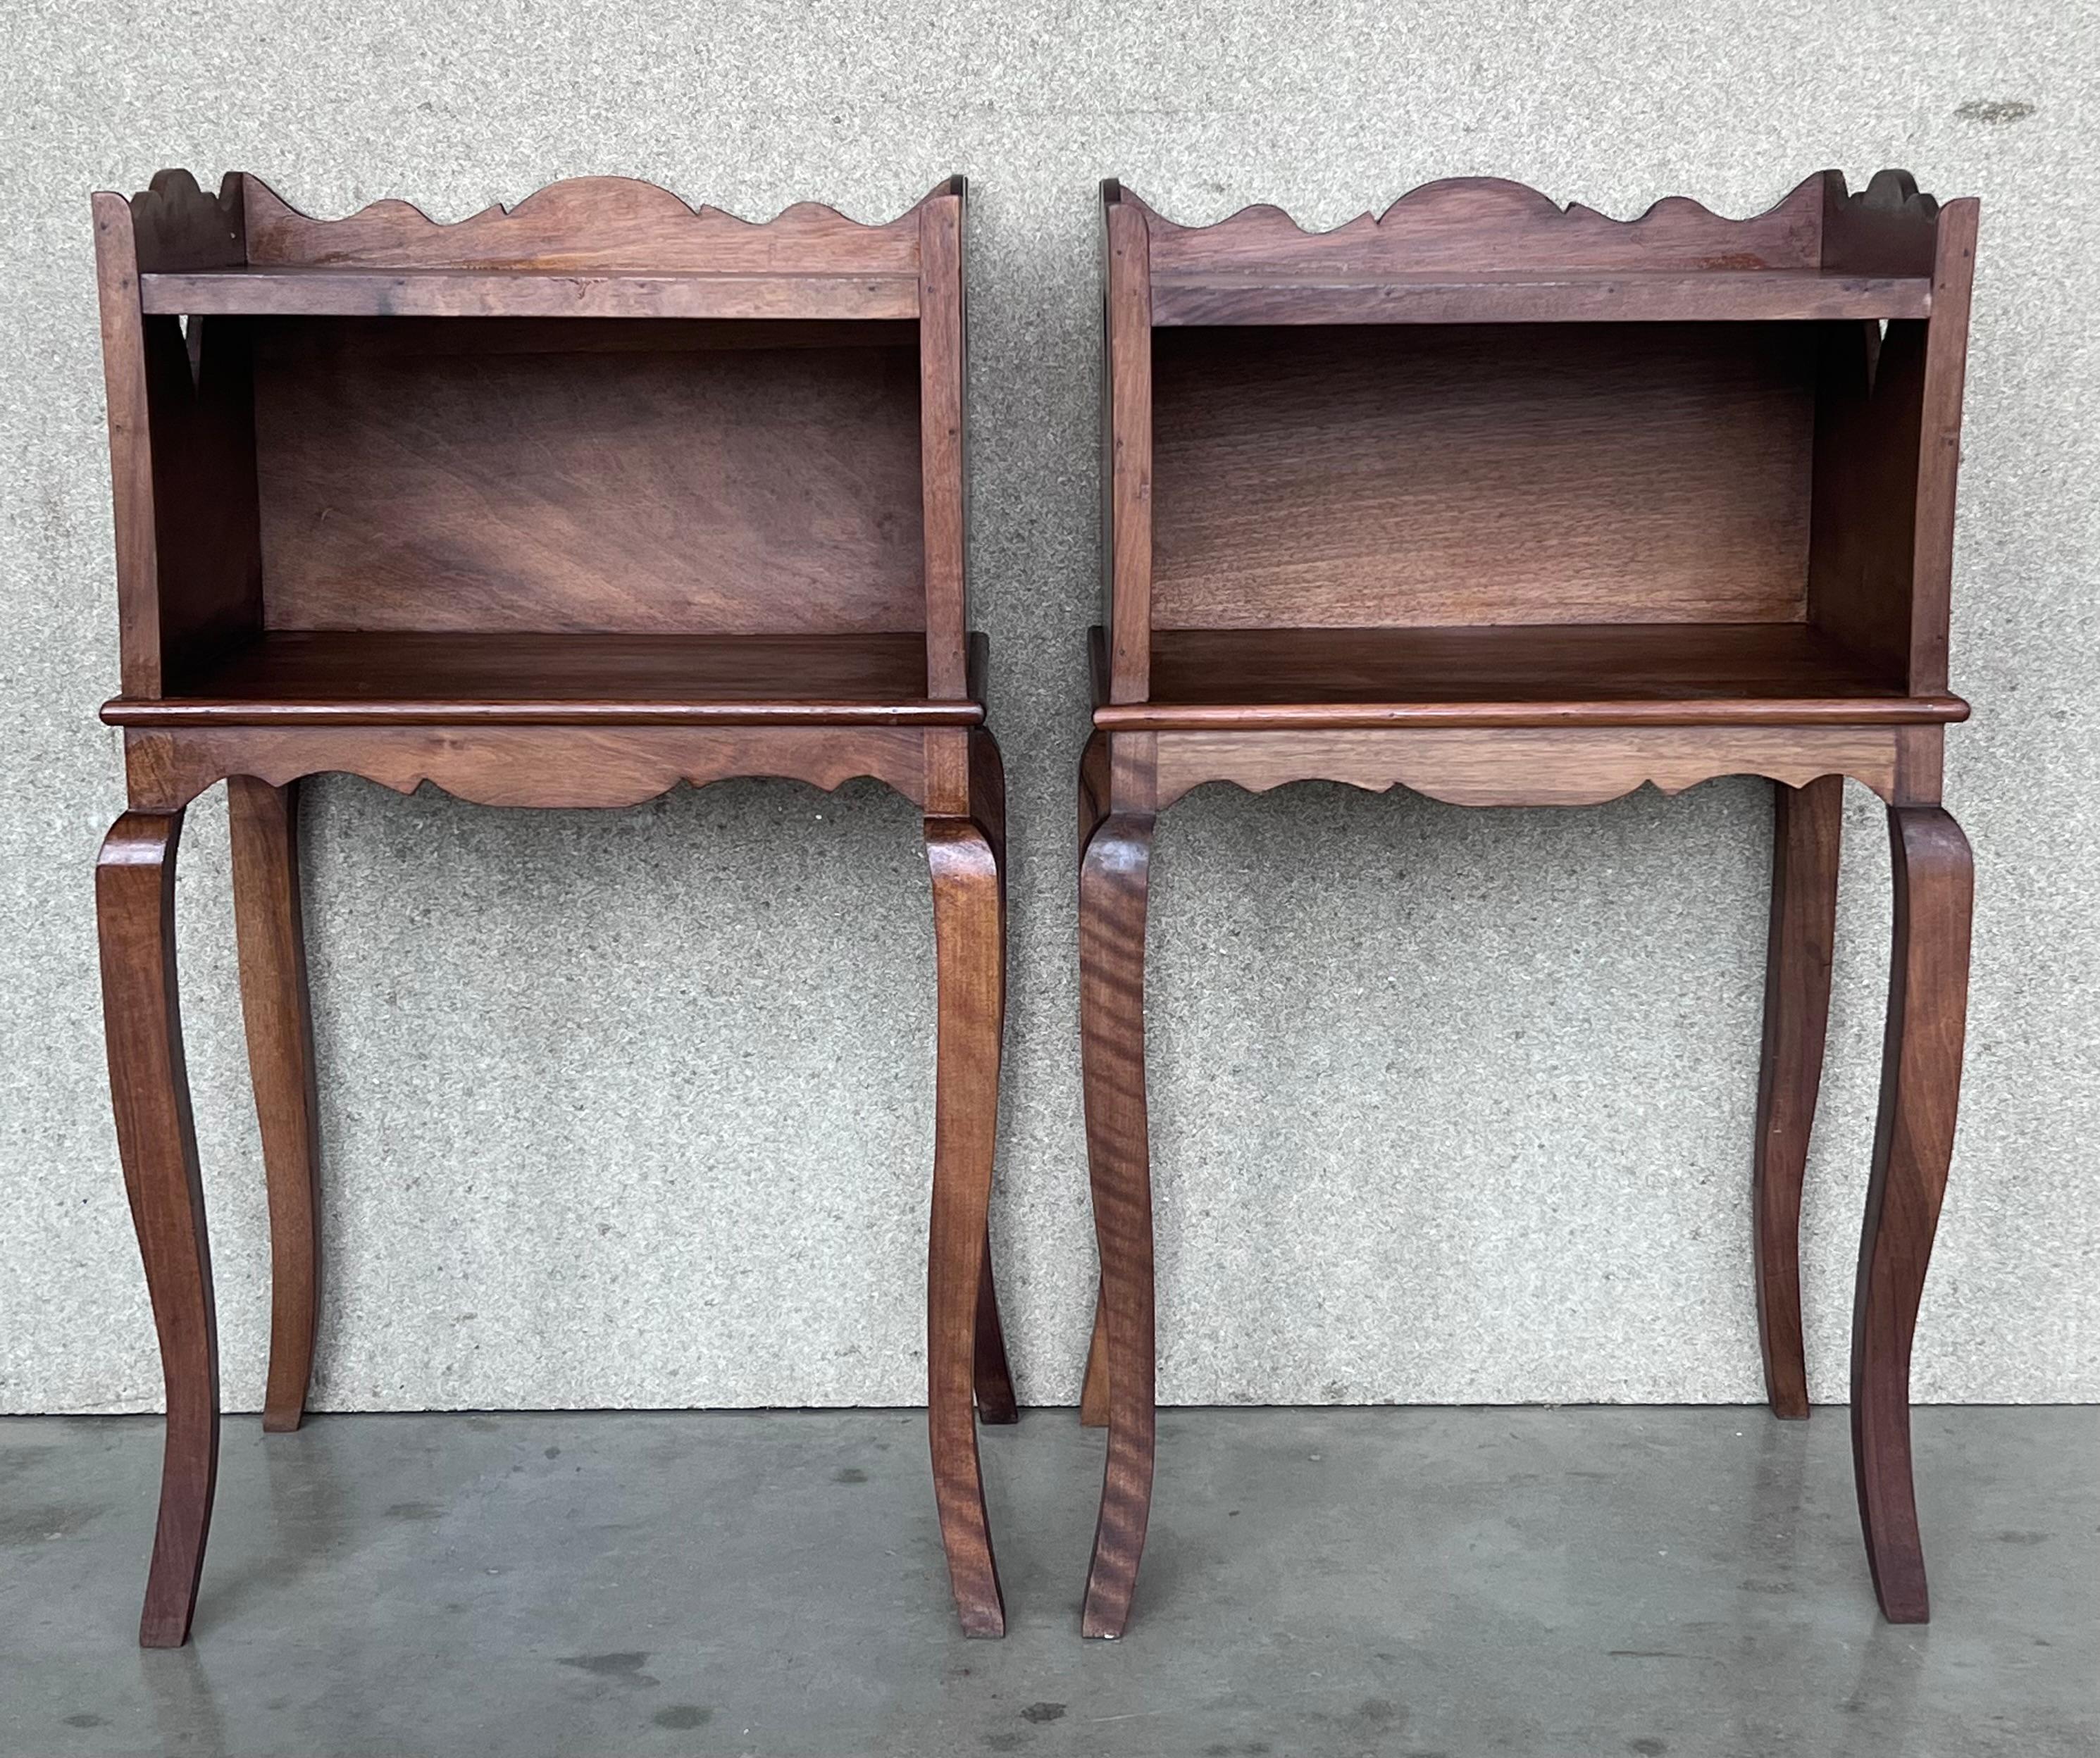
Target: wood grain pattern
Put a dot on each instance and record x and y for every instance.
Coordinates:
(182, 451)
(1611, 674)
(986, 803)
(639, 494)
(135, 889)
(526, 293)
(1094, 790)
(1366, 477)
(124, 379)
(969, 940)
(1113, 879)
(943, 376)
(547, 545)
(1559, 296)
(398, 678)
(1574, 766)
(1127, 439)
(1939, 441)
(1513, 504)
(583, 223)
(1862, 509)
(278, 1014)
(1913, 1143)
(1491, 222)
(522, 765)
(1806, 825)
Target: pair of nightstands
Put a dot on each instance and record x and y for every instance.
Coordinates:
(565, 505)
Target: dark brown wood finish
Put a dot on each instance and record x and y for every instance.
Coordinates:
(269, 922)
(1913, 1143)
(1806, 825)
(559, 505)
(135, 893)
(1512, 504)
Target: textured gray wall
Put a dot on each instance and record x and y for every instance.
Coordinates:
(635, 1108)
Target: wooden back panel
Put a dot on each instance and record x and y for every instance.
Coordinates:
(504, 475)
(1395, 476)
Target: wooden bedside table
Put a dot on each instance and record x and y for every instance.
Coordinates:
(558, 506)
(1516, 505)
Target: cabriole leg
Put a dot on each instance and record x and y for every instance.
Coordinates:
(1113, 886)
(970, 953)
(1921, 1084)
(275, 1007)
(1093, 808)
(134, 892)
(1806, 828)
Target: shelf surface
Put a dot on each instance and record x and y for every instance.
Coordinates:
(1303, 295)
(523, 292)
(341, 678)
(1668, 674)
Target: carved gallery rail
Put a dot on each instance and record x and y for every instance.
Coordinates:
(497, 505)
(1516, 505)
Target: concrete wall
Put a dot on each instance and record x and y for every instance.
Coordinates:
(635, 1108)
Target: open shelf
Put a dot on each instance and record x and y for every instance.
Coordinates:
(1300, 296)
(601, 457)
(306, 292)
(343, 677)
(1484, 460)
(1594, 675)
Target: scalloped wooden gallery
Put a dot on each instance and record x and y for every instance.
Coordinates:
(562, 505)
(1512, 504)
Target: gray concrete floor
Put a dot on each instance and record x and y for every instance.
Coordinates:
(1340, 1581)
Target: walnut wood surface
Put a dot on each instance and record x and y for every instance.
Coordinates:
(521, 293)
(350, 677)
(1599, 674)
(1806, 824)
(1360, 476)
(1126, 468)
(276, 1008)
(628, 493)
(581, 224)
(970, 941)
(1490, 223)
(407, 501)
(1094, 790)
(1572, 766)
(134, 890)
(1114, 878)
(944, 360)
(1632, 296)
(1913, 1142)
(1526, 563)
(563, 766)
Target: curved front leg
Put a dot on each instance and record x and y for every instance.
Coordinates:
(1921, 1085)
(1806, 827)
(995, 1378)
(279, 1017)
(1113, 886)
(970, 954)
(1093, 808)
(134, 899)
